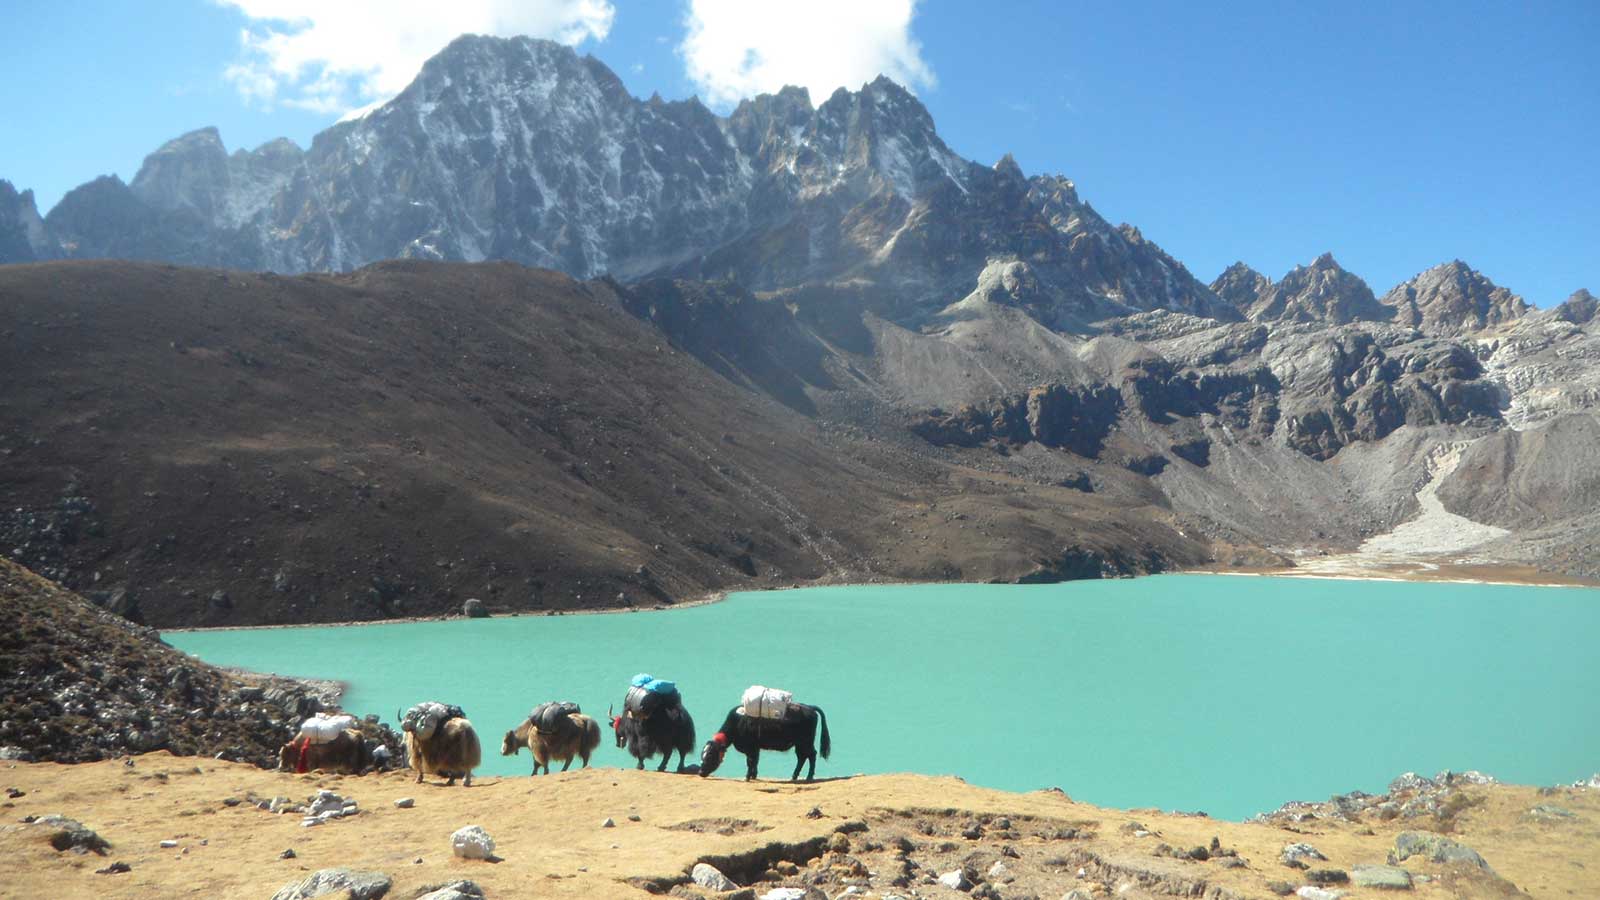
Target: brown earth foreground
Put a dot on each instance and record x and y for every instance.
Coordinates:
(550, 836)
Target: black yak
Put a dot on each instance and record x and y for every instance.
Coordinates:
(751, 735)
(663, 731)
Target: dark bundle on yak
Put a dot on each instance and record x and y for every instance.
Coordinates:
(556, 730)
(654, 721)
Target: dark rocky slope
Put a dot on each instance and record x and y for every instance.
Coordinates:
(205, 447)
(78, 683)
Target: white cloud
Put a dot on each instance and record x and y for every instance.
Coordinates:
(738, 48)
(333, 56)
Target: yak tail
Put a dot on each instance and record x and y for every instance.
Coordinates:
(827, 745)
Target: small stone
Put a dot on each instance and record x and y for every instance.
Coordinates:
(115, 868)
(998, 870)
(1390, 877)
(1544, 812)
(839, 843)
(405, 803)
(1281, 888)
(633, 818)
(168, 845)
(287, 854)
(1310, 892)
(956, 880)
(814, 812)
(1328, 876)
(785, 893)
(609, 823)
(972, 832)
(231, 801)
(472, 842)
(708, 876)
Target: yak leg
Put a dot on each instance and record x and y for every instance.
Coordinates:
(641, 762)
(450, 779)
(683, 759)
(812, 774)
(467, 782)
(666, 757)
(565, 766)
(799, 763)
(752, 760)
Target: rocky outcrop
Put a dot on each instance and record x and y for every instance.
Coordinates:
(1578, 309)
(22, 233)
(81, 684)
(1453, 299)
(1322, 292)
(1241, 286)
(1076, 419)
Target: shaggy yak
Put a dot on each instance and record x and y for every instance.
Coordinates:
(347, 753)
(751, 735)
(576, 735)
(449, 748)
(663, 731)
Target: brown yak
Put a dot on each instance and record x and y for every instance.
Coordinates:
(576, 735)
(449, 748)
(347, 753)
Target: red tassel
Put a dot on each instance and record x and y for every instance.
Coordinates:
(720, 739)
(302, 766)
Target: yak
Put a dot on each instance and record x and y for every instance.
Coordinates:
(663, 731)
(576, 735)
(347, 754)
(449, 748)
(751, 735)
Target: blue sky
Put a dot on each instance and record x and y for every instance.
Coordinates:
(1396, 135)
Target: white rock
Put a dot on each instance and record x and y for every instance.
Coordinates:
(472, 842)
(1299, 852)
(405, 803)
(785, 893)
(168, 845)
(955, 879)
(708, 876)
(609, 823)
(998, 869)
(1312, 892)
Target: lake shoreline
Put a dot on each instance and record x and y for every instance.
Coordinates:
(1502, 575)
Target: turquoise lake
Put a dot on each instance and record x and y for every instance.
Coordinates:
(1225, 694)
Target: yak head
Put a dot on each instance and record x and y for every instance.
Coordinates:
(712, 753)
(510, 746)
(616, 726)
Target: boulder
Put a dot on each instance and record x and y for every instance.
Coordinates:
(1299, 852)
(711, 878)
(472, 842)
(456, 890)
(956, 880)
(341, 882)
(1387, 877)
(1310, 892)
(1434, 848)
(70, 834)
(474, 609)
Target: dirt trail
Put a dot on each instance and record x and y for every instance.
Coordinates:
(550, 835)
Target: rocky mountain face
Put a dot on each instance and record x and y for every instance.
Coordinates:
(22, 232)
(1453, 299)
(1321, 292)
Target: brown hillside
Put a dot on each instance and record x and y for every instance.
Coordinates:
(203, 448)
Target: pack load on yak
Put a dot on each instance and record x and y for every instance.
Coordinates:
(547, 718)
(323, 728)
(765, 703)
(425, 718)
(647, 693)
